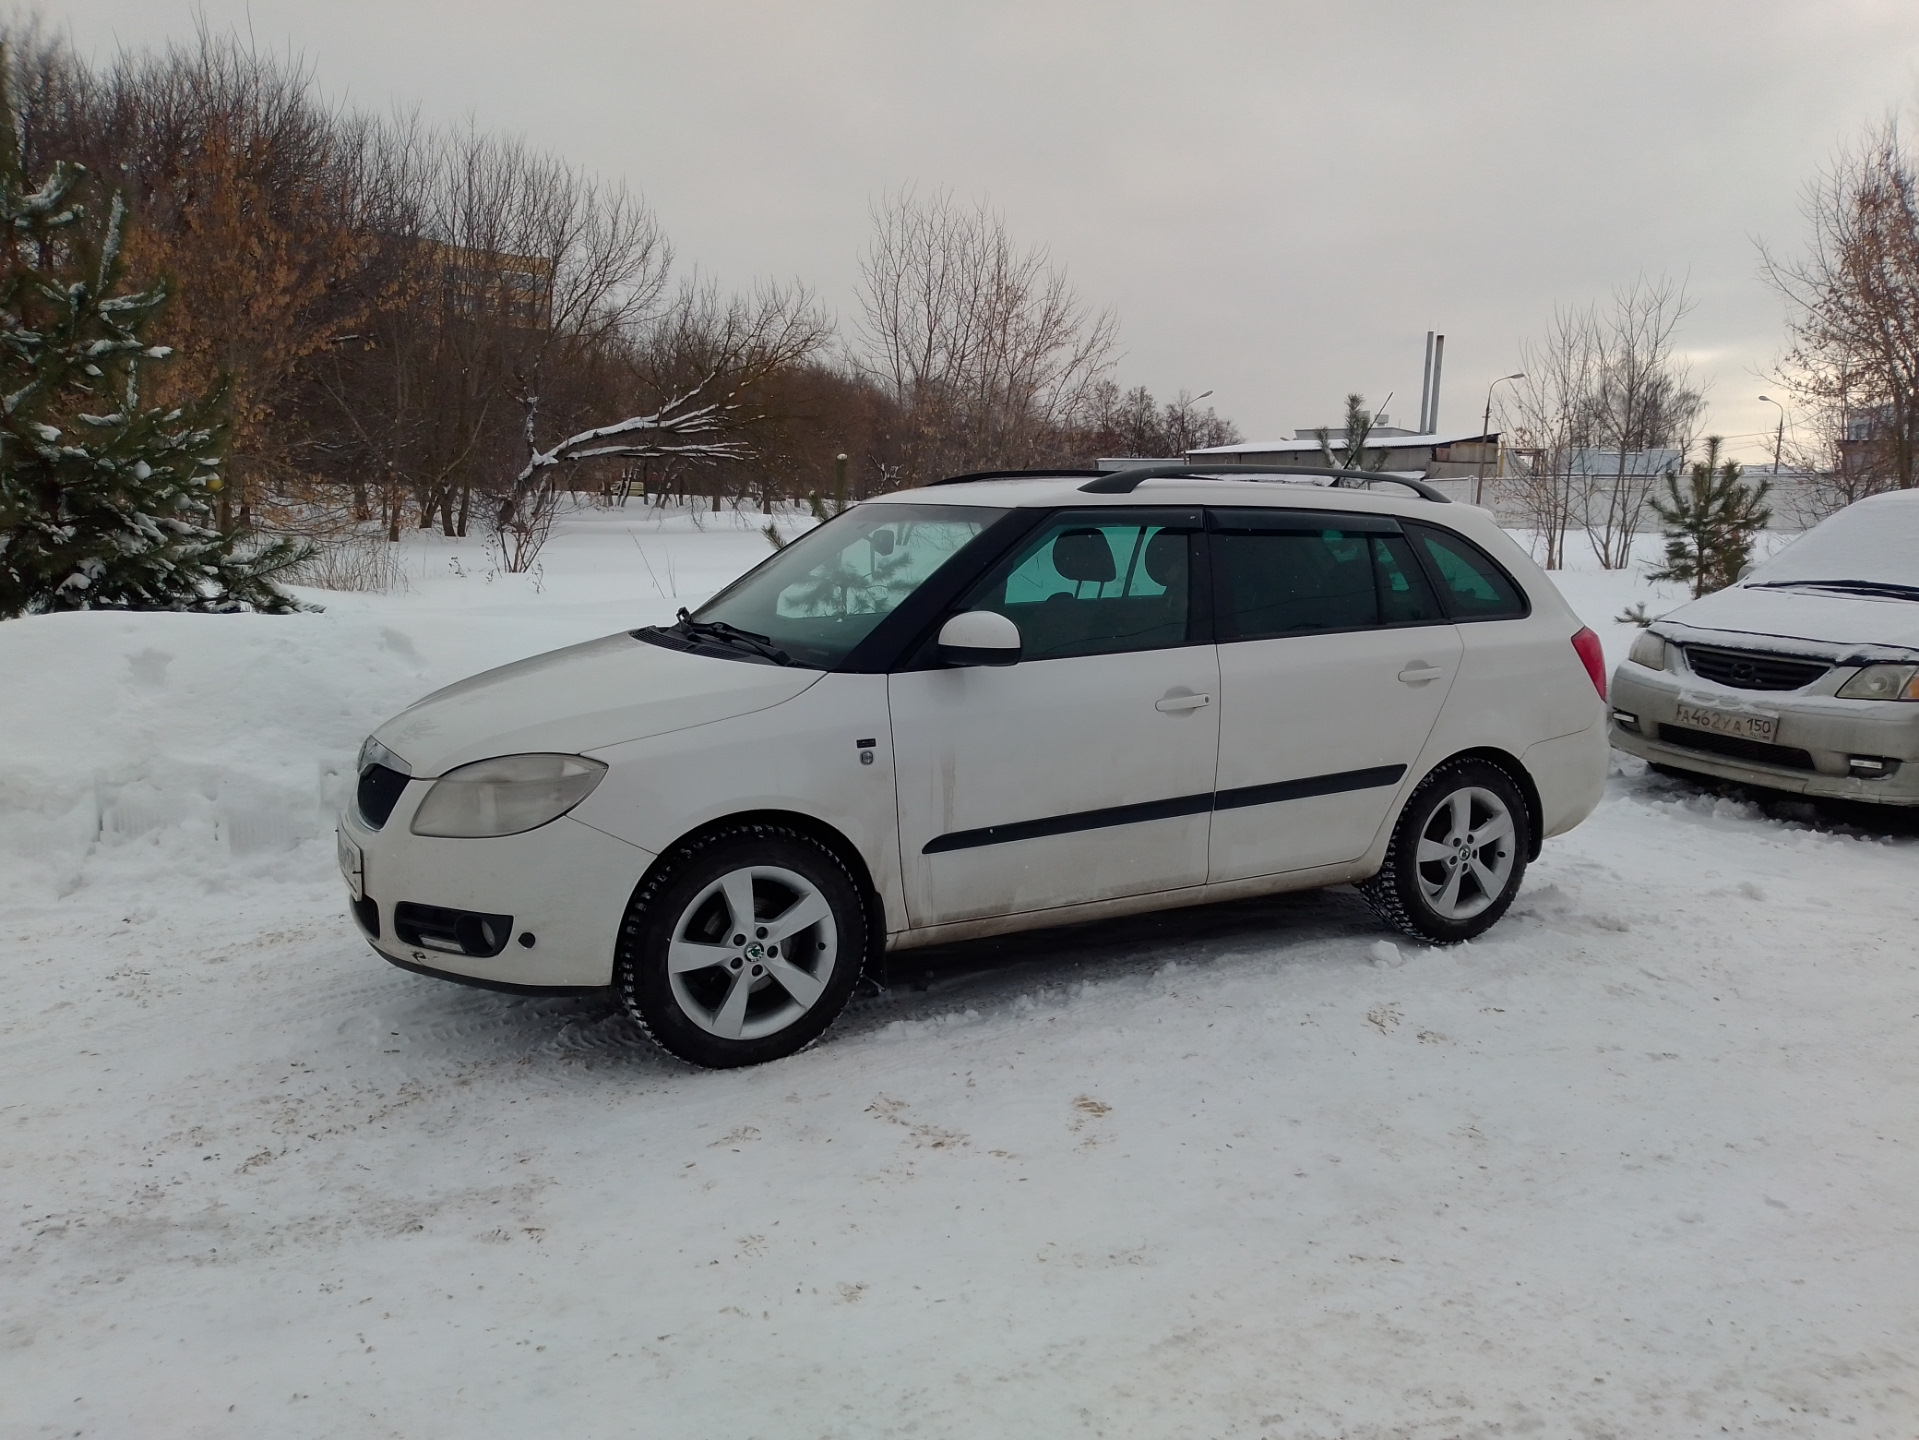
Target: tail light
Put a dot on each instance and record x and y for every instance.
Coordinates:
(1593, 658)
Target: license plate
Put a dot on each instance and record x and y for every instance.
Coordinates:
(352, 865)
(1727, 722)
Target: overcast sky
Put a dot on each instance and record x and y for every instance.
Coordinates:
(1278, 199)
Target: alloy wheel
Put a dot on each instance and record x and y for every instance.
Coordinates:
(1466, 853)
(752, 952)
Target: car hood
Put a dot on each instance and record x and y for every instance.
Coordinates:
(580, 699)
(1820, 621)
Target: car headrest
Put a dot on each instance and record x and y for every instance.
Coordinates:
(1081, 555)
(1165, 559)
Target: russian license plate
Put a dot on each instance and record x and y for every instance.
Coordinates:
(1745, 726)
(352, 865)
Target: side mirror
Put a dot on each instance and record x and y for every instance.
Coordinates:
(979, 637)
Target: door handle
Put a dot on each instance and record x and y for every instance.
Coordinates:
(1172, 704)
(1420, 674)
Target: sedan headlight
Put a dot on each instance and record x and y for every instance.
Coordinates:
(505, 795)
(1648, 650)
(1883, 682)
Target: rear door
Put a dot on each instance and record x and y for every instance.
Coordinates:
(1084, 772)
(1335, 658)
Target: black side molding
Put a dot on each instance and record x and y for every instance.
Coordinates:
(1374, 778)
(1068, 824)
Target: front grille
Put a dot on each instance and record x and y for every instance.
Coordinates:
(458, 932)
(1753, 669)
(1736, 748)
(379, 792)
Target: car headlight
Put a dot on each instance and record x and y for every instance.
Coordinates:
(505, 795)
(1648, 650)
(1883, 682)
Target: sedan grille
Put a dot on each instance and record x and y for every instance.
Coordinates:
(1754, 669)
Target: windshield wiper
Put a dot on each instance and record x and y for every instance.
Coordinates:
(1855, 587)
(720, 631)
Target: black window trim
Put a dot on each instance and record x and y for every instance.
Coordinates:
(898, 635)
(1322, 520)
(1438, 581)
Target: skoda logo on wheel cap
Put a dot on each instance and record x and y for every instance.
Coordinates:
(756, 951)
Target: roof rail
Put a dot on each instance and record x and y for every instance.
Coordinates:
(1124, 482)
(1054, 474)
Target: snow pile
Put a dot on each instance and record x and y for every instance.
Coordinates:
(224, 744)
(1639, 1162)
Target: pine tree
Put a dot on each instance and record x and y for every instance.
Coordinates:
(1710, 525)
(104, 503)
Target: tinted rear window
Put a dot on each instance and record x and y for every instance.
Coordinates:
(1470, 582)
(1284, 573)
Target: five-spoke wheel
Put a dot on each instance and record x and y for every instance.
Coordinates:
(742, 946)
(1456, 856)
(752, 952)
(1466, 853)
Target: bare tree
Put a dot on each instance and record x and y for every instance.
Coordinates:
(700, 363)
(984, 347)
(1551, 415)
(1603, 394)
(1113, 422)
(1853, 299)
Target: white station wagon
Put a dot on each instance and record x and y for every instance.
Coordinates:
(989, 705)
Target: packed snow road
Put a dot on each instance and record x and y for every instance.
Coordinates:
(1637, 1163)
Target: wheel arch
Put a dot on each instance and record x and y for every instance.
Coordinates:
(1520, 776)
(814, 829)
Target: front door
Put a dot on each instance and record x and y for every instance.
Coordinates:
(1085, 771)
(1335, 658)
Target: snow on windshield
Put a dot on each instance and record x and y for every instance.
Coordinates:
(1873, 539)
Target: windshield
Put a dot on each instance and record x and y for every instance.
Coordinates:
(1875, 540)
(824, 593)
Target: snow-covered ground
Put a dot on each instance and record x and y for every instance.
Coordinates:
(1639, 1163)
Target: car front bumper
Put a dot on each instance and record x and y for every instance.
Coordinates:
(564, 888)
(1818, 738)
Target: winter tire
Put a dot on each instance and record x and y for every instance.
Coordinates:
(742, 946)
(1457, 855)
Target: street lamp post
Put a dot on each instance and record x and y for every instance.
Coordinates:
(1485, 429)
(1779, 436)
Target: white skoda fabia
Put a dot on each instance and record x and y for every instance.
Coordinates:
(981, 707)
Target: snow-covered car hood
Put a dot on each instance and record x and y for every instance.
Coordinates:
(580, 699)
(1815, 621)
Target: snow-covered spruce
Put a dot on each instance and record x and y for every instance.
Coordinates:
(104, 502)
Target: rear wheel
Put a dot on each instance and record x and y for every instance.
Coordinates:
(742, 946)
(1457, 855)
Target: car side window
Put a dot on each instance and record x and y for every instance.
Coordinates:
(1471, 582)
(1295, 573)
(1096, 585)
(1405, 595)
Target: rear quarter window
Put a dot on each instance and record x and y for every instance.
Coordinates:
(1471, 584)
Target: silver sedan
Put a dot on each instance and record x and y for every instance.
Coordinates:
(1802, 677)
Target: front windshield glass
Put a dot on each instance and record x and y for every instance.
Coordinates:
(1874, 541)
(824, 593)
